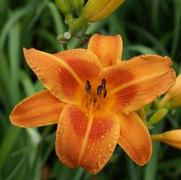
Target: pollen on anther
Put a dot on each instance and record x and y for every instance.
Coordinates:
(88, 87)
(105, 93)
(103, 83)
(99, 90)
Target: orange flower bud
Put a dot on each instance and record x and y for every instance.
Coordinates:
(173, 95)
(172, 138)
(96, 10)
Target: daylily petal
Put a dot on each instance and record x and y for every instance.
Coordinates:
(86, 140)
(39, 109)
(107, 48)
(137, 82)
(172, 138)
(64, 74)
(135, 138)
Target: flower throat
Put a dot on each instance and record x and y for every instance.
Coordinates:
(95, 98)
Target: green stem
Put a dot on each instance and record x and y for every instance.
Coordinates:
(79, 174)
(131, 169)
(75, 24)
(65, 46)
(151, 168)
(82, 37)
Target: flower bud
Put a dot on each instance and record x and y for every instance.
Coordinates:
(158, 116)
(173, 96)
(67, 6)
(96, 10)
(64, 6)
(77, 4)
(172, 138)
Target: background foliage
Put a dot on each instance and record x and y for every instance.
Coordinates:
(146, 26)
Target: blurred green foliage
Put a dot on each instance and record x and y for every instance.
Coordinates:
(28, 154)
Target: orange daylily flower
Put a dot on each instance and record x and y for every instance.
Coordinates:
(92, 97)
(172, 138)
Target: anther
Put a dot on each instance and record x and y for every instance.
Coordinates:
(88, 87)
(99, 90)
(105, 94)
(103, 84)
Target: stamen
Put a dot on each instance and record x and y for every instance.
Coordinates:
(94, 100)
(88, 87)
(103, 84)
(99, 90)
(105, 94)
